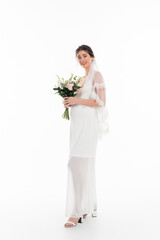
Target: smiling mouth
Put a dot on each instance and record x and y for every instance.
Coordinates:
(83, 63)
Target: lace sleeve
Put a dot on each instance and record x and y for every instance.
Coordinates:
(99, 90)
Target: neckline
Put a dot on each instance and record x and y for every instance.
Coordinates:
(84, 81)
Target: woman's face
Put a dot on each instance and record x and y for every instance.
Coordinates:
(84, 59)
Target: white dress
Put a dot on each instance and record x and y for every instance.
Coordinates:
(81, 181)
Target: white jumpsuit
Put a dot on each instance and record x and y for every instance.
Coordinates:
(81, 181)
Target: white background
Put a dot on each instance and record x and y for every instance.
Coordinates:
(38, 40)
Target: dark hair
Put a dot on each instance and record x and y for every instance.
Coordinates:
(86, 49)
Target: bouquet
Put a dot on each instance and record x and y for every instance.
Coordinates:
(67, 88)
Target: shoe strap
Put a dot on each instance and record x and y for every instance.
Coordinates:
(71, 222)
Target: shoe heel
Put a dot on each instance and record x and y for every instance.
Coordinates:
(80, 220)
(94, 214)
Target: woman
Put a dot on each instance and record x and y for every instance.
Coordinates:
(88, 123)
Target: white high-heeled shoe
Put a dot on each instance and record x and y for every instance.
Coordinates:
(80, 220)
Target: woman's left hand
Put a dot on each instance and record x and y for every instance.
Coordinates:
(69, 101)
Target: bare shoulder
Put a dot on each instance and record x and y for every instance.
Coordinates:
(98, 78)
(98, 74)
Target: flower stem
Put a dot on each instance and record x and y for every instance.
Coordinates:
(66, 114)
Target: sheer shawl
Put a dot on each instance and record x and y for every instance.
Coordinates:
(98, 92)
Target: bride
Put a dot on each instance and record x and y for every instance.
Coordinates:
(88, 124)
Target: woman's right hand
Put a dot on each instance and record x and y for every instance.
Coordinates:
(65, 104)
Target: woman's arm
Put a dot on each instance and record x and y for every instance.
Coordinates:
(88, 102)
(69, 101)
